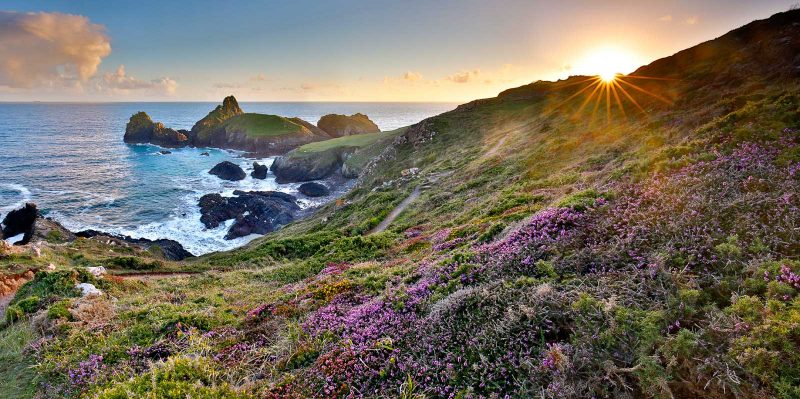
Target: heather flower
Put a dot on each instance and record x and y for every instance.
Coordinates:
(86, 372)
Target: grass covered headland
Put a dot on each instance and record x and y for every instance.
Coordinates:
(572, 239)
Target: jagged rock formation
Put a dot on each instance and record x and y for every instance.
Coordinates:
(141, 129)
(256, 212)
(20, 221)
(168, 249)
(229, 108)
(342, 125)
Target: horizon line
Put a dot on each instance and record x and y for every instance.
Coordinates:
(212, 101)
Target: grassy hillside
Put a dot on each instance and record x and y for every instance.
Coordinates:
(570, 240)
(359, 141)
(262, 125)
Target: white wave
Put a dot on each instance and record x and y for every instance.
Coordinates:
(24, 193)
(183, 225)
(17, 238)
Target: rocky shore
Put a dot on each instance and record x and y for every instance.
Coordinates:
(36, 228)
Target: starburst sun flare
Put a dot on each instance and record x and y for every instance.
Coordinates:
(607, 62)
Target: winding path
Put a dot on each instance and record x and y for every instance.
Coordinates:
(154, 275)
(4, 301)
(395, 212)
(496, 147)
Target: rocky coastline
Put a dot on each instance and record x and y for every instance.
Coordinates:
(36, 228)
(229, 127)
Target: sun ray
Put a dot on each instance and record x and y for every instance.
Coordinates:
(597, 103)
(656, 96)
(629, 97)
(597, 86)
(608, 101)
(613, 87)
(555, 107)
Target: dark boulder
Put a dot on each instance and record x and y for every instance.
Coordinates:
(255, 212)
(204, 154)
(165, 152)
(313, 189)
(259, 171)
(168, 249)
(21, 221)
(227, 170)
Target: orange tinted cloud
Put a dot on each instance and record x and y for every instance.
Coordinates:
(49, 49)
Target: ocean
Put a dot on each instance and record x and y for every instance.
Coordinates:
(70, 160)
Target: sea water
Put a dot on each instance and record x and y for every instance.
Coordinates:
(70, 160)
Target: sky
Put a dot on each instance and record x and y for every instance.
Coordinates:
(336, 50)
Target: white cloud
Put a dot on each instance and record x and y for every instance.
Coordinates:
(412, 76)
(464, 76)
(693, 20)
(121, 82)
(223, 85)
(666, 18)
(49, 49)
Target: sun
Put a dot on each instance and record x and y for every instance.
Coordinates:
(607, 77)
(607, 62)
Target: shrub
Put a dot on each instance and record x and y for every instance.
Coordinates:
(59, 310)
(13, 314)
(177, 378)
(582, 200)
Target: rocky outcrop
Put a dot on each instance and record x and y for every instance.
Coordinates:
(259, 171)
(227, 170)
(168, 249)
(228, 108)
(46, 229)
(313, 189)
(313, 129)
(307, 167)
(342, 125)
(141, 129)
(229, 127)
(255, 212)
(21, 221)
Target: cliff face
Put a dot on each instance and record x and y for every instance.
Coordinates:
(342, 125)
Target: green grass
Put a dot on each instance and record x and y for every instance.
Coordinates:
(262, 125)
(18, 380)
(359, 140)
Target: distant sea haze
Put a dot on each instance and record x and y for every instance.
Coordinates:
(69, 158)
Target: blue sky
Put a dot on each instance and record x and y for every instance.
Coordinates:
(368, 50)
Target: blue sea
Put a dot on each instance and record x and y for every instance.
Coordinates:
(70, 160)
